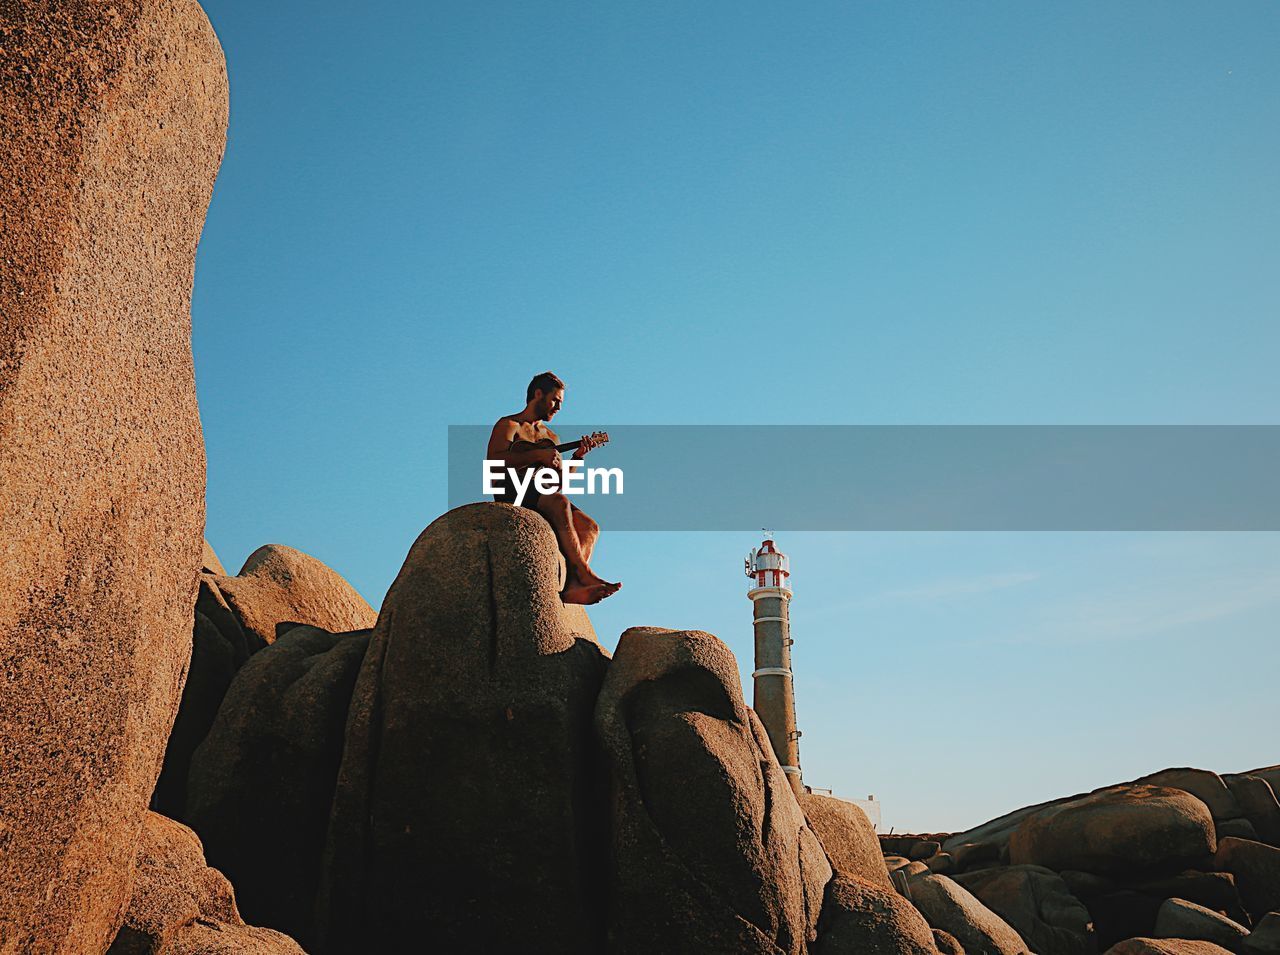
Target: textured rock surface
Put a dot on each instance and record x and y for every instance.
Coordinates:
(1256, 867)
(209, 563)
(1038, 905)
(1258, 802)
(847, 837)
(470, 797)
(262, 781)
(711, 852)
(859, 918)
(1120, 829)
(112, 125)
(178, 901)
(947, 943)
(1179, 918)
(1208, 787)
(1165, 946)
(951, 907)
(278, 584)
(1265, 937)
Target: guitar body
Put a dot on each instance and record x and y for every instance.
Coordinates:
(592, 441)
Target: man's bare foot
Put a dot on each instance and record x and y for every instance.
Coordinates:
(578, 593)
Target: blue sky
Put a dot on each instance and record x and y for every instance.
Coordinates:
(869, 213)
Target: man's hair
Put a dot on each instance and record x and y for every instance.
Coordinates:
(546, 382)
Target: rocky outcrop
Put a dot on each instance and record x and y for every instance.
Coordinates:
(470, 798)
(1258, 802)
(1256, 868)
(209, 563)
(1038, 905)
(112, 125)
(949, 906)
(1124, 828)
(279, 585)
(847, 837)
(263, 779)
(1206, 786)
(859, 918)
(710, 851)
(1179, 918)
(180, 906)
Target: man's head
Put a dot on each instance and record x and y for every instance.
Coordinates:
(545, 395)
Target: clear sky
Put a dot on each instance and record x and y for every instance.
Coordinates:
(854, 213)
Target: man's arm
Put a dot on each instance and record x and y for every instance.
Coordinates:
(504, 432)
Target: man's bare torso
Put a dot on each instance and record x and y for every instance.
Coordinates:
(532, 431)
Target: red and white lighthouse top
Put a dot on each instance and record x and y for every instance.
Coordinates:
(768, 567)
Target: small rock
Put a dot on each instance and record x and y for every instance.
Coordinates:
(1265, 937)
(951, 907)
(947, 943)
(859, 918)
(1179, 918)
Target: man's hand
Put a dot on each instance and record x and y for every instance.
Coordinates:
(549, 458)
(581, 450)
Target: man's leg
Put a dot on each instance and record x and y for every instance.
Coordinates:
(588, 532)
(582, 586)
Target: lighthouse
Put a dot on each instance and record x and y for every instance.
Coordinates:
(774, 698)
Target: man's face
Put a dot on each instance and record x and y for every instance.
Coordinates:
(549, 404)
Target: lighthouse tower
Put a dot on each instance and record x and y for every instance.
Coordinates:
(774, 700)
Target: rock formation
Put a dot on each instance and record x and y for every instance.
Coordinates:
(262, 781)
(470, 797)
(710, 851)
(180, 906)
(1037, 904)
(279, 585)
(112, 125)
(1127, 827)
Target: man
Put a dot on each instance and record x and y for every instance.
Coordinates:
(575, 531)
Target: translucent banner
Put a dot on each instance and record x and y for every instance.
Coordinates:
(917, 477)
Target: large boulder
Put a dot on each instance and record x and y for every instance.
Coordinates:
(847, 837)
(179, 902)
(1179, 918)
(1038, 905)
(1208, 787)
(1258, 802)
(279, 585)
(861, 918)
(470, 809)
(1124, 828)
(949, 906)
(262, 780)
(112, 125)
(711, 852)
(1256, 867)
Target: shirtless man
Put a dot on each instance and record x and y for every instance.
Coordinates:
(575, 531)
